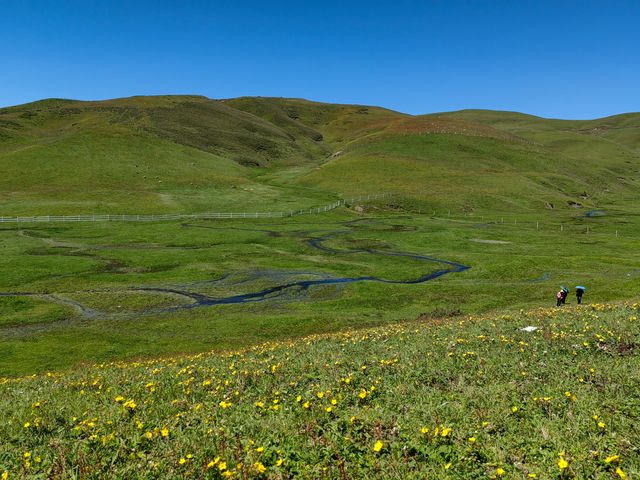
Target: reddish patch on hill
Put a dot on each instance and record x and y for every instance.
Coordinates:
(426, 124)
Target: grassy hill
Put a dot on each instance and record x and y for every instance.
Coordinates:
(494, 211)
(143, 154)
(506, 194)
(187, 153)
(473, 397)
(605, 150)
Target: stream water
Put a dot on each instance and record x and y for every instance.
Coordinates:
(283, 283)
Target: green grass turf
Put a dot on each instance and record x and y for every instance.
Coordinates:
(479, 171)
(529, 204)
(99, 265)
(459, 398)
(187, 154)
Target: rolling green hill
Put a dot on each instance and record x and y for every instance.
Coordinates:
(189, 153)
(509, 385)
(74, 292)
(605, 150)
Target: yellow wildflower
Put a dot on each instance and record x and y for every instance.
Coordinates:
(562, 463)
(499, 472)
(612, 458)
(620, 473)
(259, 467)
(378, 446)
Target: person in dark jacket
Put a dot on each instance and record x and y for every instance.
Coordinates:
(579, 292)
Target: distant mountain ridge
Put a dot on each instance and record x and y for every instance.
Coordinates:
(192, 153)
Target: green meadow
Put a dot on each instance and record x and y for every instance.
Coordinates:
(527, 204)
(93, 292)
(382, 339)
(459, 398)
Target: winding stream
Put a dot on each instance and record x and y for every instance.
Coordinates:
(286, 283)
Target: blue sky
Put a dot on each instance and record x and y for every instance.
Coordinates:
(563, 59)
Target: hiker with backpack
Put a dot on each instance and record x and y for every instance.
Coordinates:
(561, 296)
(579, 292)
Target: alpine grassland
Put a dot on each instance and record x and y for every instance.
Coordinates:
(94, 292)
(540, 393)
(407, 336)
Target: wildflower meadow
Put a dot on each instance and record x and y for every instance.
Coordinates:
(456, 397)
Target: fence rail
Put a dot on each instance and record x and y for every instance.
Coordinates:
(204, 216)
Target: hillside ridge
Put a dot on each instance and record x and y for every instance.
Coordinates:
(189, 154)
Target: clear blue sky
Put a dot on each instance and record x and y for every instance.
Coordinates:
(565, 59)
